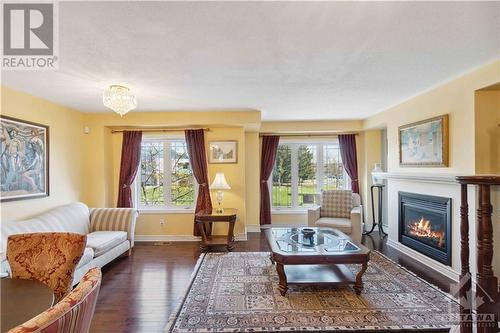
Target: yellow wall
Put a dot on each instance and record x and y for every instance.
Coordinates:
(66, 142)
(181, 224)
(235, 175)
(455, 98)
(487, 135)
(252, 175)
(85, 166)
(102, 163)
(474, 146)
(98, 143)
(283, 127)
(370, 154)
(329, 126)
(487, 154)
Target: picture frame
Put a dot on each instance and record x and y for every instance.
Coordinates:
(424, 143)
(223, 152)
(24, 159)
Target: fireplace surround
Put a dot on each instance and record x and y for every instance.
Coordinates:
(425, 225)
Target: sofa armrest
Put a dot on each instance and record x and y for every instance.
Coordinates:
(356, 223)
(114, 219)
(313, 214)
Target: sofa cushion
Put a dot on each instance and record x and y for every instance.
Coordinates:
(341, 224)
(336, 203)
(103, 241)
(88, 255)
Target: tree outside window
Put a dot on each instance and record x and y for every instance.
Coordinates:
(282, 178)
(302, 171)
(166, 180)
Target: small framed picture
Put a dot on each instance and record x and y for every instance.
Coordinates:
(223, 152)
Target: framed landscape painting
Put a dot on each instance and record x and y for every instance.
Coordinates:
(424, 143)
(223, 152)
(24, 159)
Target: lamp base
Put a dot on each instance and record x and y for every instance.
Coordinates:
(219, 210)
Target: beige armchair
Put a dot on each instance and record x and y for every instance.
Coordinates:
(340, 209)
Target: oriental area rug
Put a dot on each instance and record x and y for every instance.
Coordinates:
(238, 292)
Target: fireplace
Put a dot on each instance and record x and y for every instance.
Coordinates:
(425, 225)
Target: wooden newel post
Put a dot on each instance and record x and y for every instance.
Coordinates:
(465, 277)
(487, 295)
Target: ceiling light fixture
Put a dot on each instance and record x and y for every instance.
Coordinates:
(119, 99)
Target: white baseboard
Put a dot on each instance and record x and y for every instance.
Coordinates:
(241, 237)
(166, 238)
(445, 270)
(178, 238)
(253, 228)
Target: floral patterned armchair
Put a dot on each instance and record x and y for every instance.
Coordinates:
(73, 314)
(50, 258)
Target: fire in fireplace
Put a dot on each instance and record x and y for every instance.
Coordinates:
(422, 229)
(425, 225)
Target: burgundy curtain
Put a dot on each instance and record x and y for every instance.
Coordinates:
(131, 157)
(269, 149)
(347, 143)
(195, 140)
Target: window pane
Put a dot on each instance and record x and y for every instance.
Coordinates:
(333, 172)
(151, 186)
(307, 175)
(302, 170)
(282, 178)
(182, 187)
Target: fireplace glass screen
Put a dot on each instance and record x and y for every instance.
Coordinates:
(425, 225)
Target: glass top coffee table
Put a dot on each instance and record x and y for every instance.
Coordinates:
(315, 256)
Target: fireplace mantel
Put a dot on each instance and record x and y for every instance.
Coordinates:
(418, 177)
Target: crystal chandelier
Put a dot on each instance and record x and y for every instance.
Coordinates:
(119, 99)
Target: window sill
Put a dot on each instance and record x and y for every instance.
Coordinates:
(289, 211)
(165, 211)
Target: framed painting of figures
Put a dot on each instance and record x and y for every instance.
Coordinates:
(24, 159)
(424, 143)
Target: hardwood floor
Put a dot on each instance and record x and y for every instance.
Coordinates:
(139, 292)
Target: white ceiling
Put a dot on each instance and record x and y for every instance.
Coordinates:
(291, 60)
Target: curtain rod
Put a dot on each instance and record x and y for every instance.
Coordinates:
(306, 134)
(163, 129)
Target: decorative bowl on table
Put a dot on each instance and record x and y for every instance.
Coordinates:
(308, 232)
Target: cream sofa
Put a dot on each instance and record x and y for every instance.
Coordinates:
(110, 232)
(340, 209)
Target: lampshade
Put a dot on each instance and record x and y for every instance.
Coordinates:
(119, 99)
(220, 182)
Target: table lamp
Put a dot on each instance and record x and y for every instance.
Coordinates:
(219, 184)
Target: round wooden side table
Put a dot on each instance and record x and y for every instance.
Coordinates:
(23, 300)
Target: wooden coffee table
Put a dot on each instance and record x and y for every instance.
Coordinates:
(317, 259)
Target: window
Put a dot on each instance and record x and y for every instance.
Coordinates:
(302, 170)
(166, 180)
